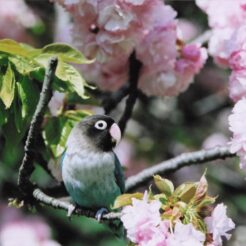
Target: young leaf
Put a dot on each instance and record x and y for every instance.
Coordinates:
(68, 73)
(185, 192)
(164, 185)
(126, 199)
(55, 132)
(12, 47)
(7, 87)
(201, 190)
(28, 94)
(23, 65)
(66, 53)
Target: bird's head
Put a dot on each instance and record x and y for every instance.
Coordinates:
(101, 131)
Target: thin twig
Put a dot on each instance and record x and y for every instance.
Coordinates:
(111, 100)
(27, 165)
(176, 163)
(134, 70)
(66, 206)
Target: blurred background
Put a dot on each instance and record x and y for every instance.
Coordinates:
(160, 128)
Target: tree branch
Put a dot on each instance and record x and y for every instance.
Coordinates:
(134, 70)
(185, 159)
(27, 165)
(110, 101)
(66, 206)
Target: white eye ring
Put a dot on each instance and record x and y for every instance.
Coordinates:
(101, 125)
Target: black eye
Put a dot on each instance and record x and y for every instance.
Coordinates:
(101, 125)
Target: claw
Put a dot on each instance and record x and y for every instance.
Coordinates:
(70, 210)
(100, 213)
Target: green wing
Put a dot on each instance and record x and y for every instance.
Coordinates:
(119, 175)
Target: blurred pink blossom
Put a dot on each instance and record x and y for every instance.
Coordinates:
(186, 235)
(16, 17)
(237, 127)
(215, 139)
(15, 229)
(124, 150)
(56, 103)
(141, 227)
(63, 26)
(219, 224)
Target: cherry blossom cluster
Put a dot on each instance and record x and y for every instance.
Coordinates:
(179, 217)
(228, 47)
(16, 17)
(228, 42)
(110, 30)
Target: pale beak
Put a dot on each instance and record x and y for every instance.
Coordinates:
(115, 133)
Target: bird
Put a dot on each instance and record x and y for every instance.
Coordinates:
(91, 172)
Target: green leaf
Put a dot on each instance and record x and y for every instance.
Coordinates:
(164, 185)
(55, 133)
(162, 198)
(7, 87)
(126, 199)
(28, 94)
(206, 201)
(23, 65)
(11, 135)
(77, 115)
(68, 73)
(66, 53)
(3, 114)
(12, 47)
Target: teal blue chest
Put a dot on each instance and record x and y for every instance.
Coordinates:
(89, 178)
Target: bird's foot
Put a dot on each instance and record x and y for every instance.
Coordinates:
(70, 210)
(100, 213)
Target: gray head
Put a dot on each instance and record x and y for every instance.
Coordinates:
(100, 130)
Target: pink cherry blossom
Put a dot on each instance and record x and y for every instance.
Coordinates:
(230, 13)
(218, 45)
(141, 226)
(237, 85)
(111, 30)
(237, 127)
(237, 42)
(185, 235)
(170, 82)
(219, 224)
(224, 19)
(160, 235)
